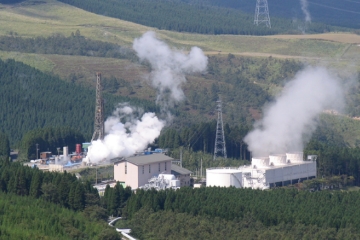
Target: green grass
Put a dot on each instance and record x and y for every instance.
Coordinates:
(38, 61)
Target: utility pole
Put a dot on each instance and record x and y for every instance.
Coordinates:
(181, 157)
(99, 111)
(37, 151)
(220, 146)
(262, 13)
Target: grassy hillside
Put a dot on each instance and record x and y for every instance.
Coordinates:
(46, 18)
(320, 10)
(35, 18)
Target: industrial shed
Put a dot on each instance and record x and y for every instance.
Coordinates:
(137, 170)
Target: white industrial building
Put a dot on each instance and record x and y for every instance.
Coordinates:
(264, 173)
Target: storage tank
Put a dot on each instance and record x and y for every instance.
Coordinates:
(295, 157)
(65, 151)
(78, 148)
(224, 177)
(259, 162)
(276, 160)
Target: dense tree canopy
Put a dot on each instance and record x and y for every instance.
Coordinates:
(59, 44)
(30, 99)
(49, 139)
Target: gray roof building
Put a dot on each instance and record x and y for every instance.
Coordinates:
(179, 170)
(145, 159)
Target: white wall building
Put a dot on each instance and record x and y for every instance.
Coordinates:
(264, 173)
(136, 171)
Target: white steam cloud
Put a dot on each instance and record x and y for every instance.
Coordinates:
(304, 8)
(169, 67)
(289, 122)
(125, 139)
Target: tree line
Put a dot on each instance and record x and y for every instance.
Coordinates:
(330, 211)
(57, 43)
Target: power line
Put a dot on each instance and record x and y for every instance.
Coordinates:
(351, 1)
(335, 8)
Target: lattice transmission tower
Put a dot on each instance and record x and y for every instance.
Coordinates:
(262, 13)
(220, 146)
(99, 111)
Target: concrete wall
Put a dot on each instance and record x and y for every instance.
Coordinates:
(184, 180)
(262, 178)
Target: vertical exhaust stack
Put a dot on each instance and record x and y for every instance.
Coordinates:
(78, 149)
(65, 151)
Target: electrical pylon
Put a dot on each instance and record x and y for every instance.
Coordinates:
(220, 146)
(99, 111)
(262, 13)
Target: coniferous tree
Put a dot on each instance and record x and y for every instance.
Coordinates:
(35, 187)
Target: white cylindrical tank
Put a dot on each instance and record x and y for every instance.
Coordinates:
(295, 157)
(224, 177)
(65, 151)
(277, 160)
(259, 162)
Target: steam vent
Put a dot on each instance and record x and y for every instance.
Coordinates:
(266, 172)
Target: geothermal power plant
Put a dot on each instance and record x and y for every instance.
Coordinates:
(265, 172)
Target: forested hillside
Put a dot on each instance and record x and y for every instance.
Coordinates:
(332, 12)
(49, 139)
(196, 17)
(215, 213)
(48, 205)
(30, 99)
(28, 218)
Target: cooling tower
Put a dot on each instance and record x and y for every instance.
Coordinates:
(276, 160)
(296, 157)
(259, 162)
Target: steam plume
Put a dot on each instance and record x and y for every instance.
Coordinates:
(168, 73)
(125, 139)
(169, 67)
(289, 122)
(304, 8)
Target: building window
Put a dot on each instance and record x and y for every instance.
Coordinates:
(159, 167)
(143, 169)
(125, 167)
(149, 169)
(165, 166)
